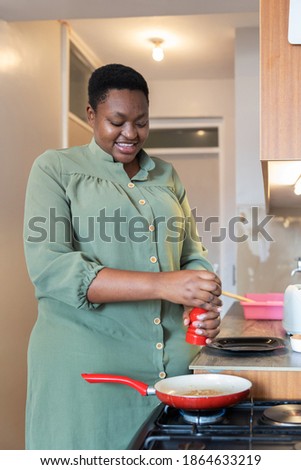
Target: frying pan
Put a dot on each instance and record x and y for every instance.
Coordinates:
(190, 392)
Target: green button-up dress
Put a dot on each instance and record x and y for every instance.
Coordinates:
(83, 213)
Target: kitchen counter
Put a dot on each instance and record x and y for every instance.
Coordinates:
(274, 374)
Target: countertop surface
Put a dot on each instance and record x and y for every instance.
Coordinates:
(234, 325)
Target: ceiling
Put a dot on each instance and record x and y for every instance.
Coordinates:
(198, 34)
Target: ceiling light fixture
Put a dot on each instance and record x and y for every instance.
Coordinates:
(297, 187)
(158, 53)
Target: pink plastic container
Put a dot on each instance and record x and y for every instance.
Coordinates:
(267, 306)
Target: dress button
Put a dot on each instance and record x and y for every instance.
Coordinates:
(157, 321)
(131, 185)
(153, 259)
(162, 375)
(159, 346)
(151, 228)
(142, 202)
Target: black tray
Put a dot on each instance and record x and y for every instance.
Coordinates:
(247, 344)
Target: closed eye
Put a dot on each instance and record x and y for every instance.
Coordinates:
(142, 124)
(117, 124)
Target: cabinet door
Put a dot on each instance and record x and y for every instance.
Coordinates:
(280, 85)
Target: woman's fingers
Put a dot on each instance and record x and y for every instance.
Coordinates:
(207, 301)
(186, 318)
(210, 282)
(209, 276)
(192, 288)
(206, 324)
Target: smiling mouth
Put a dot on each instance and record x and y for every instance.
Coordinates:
(126, 147)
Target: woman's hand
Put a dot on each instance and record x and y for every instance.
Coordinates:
(196, 289)
(192, 289)
(207, 323)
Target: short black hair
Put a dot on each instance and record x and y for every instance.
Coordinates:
(114, 76)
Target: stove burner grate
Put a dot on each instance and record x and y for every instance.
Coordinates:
(249, 425)
(203, 417)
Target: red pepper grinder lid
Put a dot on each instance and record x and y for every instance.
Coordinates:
(191, 336)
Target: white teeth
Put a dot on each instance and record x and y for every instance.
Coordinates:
(122, 144)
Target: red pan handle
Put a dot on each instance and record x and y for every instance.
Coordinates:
(141, 387)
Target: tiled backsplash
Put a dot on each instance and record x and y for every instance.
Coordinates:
(267, 256)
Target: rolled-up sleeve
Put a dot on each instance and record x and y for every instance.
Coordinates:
(55, 268)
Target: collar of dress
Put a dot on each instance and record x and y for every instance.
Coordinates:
(146, 163)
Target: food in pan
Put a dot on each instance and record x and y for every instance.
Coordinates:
(200, 393)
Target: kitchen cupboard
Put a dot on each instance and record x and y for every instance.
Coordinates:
(280, 64)
(280, 99)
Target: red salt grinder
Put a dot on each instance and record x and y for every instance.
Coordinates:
(191, 336)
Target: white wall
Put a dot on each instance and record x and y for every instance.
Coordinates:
(29, 122)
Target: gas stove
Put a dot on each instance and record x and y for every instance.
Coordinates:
(250, 425)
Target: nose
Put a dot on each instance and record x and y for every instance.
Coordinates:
(129, 131)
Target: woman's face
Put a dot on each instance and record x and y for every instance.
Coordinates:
(121, 124)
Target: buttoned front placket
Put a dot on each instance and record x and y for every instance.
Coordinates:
(151, 252)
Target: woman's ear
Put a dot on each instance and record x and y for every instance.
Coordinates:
(90, 115)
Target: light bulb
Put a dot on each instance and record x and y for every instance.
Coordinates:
(158, 53)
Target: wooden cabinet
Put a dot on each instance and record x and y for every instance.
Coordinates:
(280, 85)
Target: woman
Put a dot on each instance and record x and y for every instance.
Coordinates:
(113, 254)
